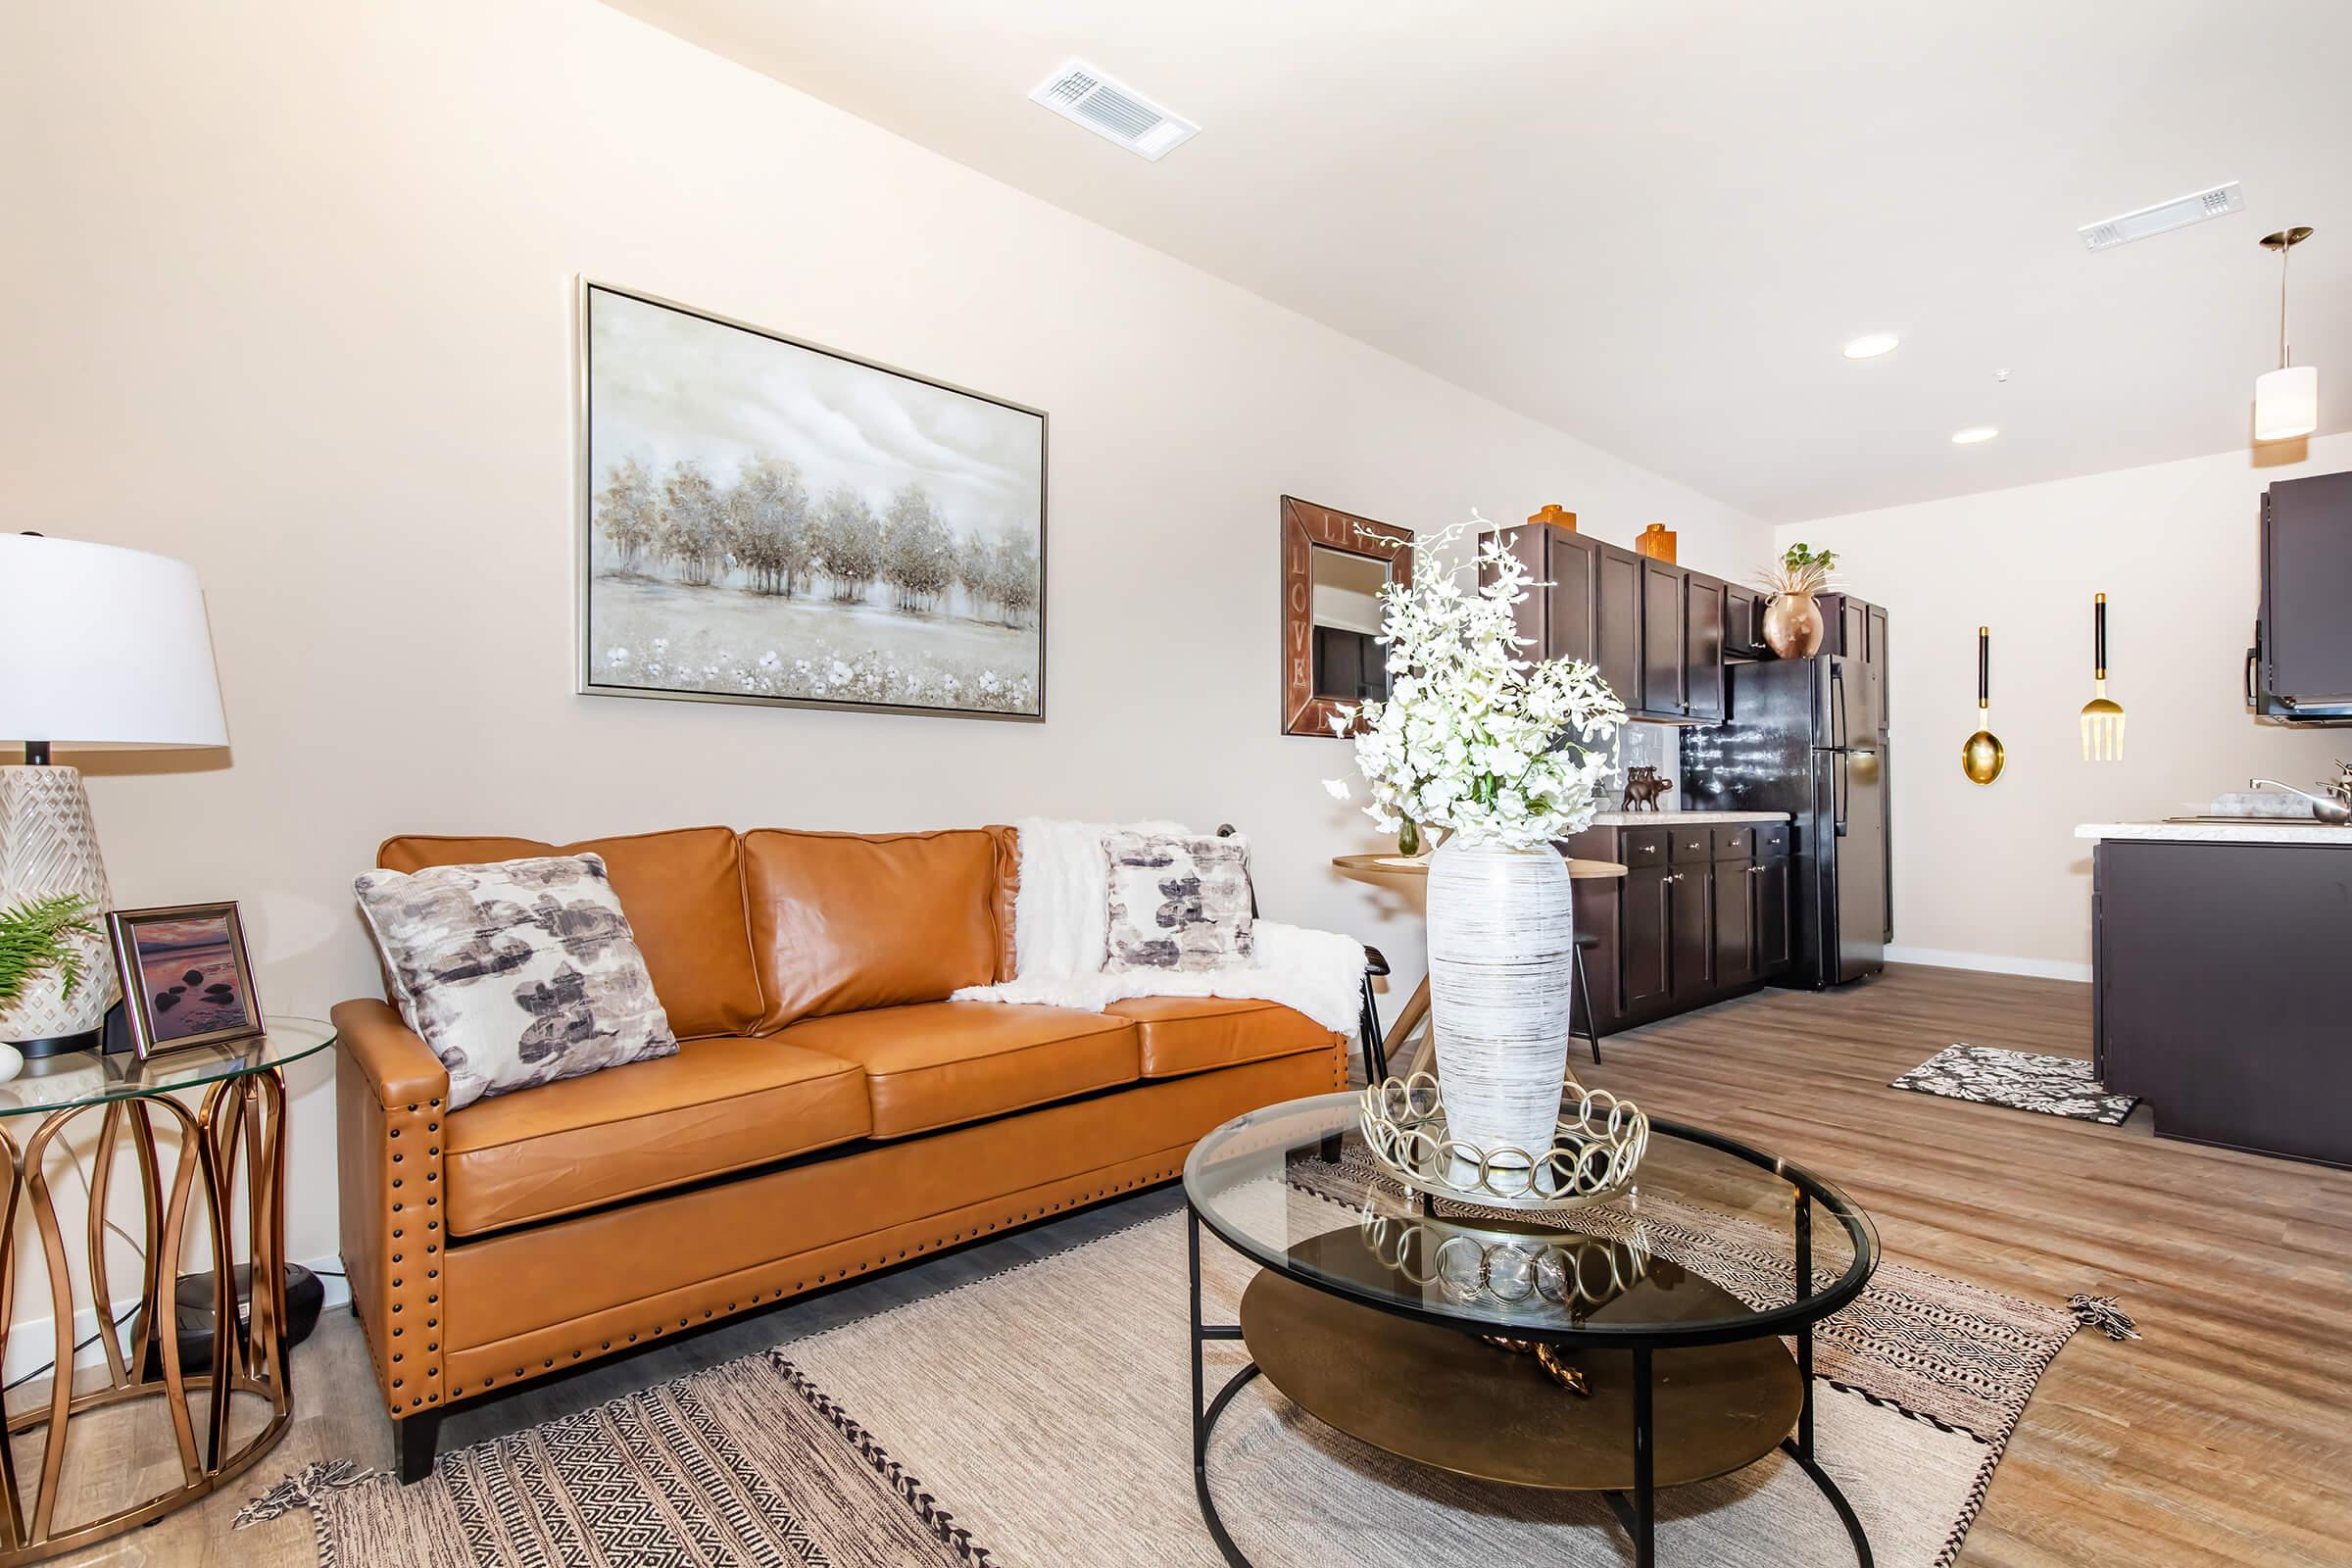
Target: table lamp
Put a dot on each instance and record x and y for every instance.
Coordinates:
(100, 648)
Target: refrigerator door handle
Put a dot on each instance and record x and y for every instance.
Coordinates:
(1842, 764)
(1836, 707)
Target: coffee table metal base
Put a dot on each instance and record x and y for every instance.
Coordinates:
(1677, 1415)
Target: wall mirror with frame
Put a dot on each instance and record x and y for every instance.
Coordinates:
(1334, 564)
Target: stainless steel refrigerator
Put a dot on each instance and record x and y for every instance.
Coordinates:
(1798, 739)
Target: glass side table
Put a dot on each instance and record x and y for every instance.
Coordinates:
(238, 1125)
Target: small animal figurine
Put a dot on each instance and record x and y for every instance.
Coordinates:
(1643, 787)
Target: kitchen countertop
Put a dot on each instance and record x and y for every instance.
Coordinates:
(2250, 832)
(1670, 818)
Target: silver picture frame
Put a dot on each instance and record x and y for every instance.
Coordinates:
(586, 669)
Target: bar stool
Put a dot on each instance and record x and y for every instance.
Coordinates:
(1583, 994)
(1380, 1048)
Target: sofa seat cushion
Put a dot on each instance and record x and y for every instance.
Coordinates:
(682, 891)
(718, 1106)
(1177, 1035)
(938, 1063)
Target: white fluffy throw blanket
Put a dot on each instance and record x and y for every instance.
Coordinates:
(1060, 927)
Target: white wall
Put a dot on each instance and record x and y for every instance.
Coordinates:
(1994, 877)
(292, 291)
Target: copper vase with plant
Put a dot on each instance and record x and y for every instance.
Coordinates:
(1793, 624)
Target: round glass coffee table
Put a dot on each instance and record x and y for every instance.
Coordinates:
(1615, 1348)
(242, 1401)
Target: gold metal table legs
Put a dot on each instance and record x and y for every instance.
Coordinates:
(241, 1122)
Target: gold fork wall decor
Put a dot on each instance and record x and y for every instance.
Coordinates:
(2102, 719)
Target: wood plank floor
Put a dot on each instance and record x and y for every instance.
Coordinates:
(2224, 1435)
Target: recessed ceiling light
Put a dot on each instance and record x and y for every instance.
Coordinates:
(1974, 434)
(1873, 345)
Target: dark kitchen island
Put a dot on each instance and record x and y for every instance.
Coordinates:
(2220, 955)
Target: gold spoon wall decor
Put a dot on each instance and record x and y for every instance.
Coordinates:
(2102, 719)
(1982, 755)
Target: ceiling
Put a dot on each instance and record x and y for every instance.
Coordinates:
(1653, 223)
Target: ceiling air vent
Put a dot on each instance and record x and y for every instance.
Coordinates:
(2164, 216)
(1113, 110)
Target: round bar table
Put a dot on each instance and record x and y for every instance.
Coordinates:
(1377, 868)
(239, 1123)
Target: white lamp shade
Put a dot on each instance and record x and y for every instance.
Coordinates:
(104, 647)
(2287, 403)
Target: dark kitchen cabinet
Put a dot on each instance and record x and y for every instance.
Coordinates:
(1664, 693)
(1572, 566)
(1874, 621)
(1743, 622)
(1593, 610)
(2300, 667)
(1690, 899)
(2211, 966)
(1858, 629)
(1702, 648)
(1733, 901)
(1641, 928)
(1617, 629)
(1769, 918)
(1657, 632)
(1701, 915)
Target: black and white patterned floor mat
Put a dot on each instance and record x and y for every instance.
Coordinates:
(2055, 1086)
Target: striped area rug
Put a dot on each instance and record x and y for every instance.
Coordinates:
(1037, 1418)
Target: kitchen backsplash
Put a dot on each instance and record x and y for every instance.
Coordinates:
(1655, 746)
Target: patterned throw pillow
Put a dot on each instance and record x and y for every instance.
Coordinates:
(1177, 903)
(518, 973)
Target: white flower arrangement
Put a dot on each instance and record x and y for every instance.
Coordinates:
(1474, 738)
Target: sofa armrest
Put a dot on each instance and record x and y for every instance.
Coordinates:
(399, 1067)
(391, 1095)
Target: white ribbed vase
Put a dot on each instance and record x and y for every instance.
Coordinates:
(1502, 958)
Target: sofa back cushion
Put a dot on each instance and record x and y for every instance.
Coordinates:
(683, 894)
(845, 921)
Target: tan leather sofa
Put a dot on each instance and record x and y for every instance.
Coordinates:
(829, 1113)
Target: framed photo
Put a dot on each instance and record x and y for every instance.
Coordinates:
(765, 520)
(186, 978)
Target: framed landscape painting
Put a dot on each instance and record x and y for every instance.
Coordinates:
(764, 520)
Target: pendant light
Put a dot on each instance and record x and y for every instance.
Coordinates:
(2287, 401)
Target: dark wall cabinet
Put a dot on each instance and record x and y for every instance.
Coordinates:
(1703, 647)
(1859, 629)
(1743, 622)
(2300, 667)
(1664, 676)
(1701, 915)
(1657, 633)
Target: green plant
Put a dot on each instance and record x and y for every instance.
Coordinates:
(34, 939)
(1802, 570)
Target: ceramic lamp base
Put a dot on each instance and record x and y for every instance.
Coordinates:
(48, 848)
